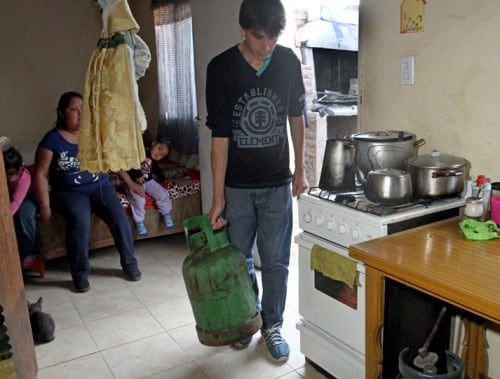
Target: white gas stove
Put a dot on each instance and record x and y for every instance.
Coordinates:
(332, 329)
(355, 220)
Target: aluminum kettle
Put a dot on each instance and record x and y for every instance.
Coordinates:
(337, 173)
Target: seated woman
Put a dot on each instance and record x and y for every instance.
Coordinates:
(76, 194)
(23, 209)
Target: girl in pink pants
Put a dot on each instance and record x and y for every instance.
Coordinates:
(147, 181)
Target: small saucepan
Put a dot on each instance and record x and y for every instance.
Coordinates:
(388, 186)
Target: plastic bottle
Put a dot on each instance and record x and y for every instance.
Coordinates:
(482, 188)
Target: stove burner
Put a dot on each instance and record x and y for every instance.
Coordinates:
(357, 200)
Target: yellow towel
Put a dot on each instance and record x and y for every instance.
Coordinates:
(334, 266)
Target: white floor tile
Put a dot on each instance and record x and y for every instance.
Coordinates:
(188, 371)
(145, 357)
(172, 287)
(93, 306)
(90, 366)
(123, 328)
(173, 313)
(70, 343)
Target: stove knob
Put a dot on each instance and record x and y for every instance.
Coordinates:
(320, 221)
(307, 217)
(342, 228)
(330, 225)
(355, 233)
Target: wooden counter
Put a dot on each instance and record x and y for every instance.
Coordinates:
(435, 259)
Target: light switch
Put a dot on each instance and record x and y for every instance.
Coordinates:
(408, 70)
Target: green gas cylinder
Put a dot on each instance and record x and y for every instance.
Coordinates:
(218, 285)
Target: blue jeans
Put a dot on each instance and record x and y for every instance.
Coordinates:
(265, 213)
(26, 225)
(77, 208)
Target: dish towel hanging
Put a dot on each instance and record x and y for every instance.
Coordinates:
(335, 266)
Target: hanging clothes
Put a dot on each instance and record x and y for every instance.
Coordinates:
(112, 119)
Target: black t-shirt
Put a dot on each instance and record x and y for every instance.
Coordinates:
(252, 112)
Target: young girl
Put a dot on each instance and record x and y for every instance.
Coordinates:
(22, 207)
(145, 181)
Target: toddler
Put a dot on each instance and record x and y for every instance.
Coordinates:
(22, 207)
(147, 180)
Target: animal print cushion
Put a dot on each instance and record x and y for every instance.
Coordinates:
(183, 187)
(180, 182)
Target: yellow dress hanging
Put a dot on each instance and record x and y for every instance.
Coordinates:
(112, 118)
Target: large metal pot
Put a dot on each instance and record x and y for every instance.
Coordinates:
(438, 175)
(384, 149)
(388, 186)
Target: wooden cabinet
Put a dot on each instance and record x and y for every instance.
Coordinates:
(12, 296)
(435, 259)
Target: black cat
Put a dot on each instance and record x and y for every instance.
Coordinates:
(42, 324)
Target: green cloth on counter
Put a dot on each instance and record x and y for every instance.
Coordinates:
(334, 266)
(479, 230)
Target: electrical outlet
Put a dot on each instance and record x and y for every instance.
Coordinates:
(408, 70)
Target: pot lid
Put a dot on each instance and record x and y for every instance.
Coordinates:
(384, 136)
(437, 160)
(388, 172)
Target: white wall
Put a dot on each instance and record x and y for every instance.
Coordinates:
(455, 101)
(215, 28)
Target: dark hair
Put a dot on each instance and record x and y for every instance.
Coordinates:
(13, 161)
(163, 140)
(263, 15)
(63, 104)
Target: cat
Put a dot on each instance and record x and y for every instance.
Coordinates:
(42, 324)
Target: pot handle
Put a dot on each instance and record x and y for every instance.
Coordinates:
(419, 142)
(446, 174)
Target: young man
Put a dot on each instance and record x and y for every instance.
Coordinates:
(252, 89)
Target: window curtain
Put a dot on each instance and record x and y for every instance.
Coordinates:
(174, 47)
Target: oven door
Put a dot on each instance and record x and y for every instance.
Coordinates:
(337, 310)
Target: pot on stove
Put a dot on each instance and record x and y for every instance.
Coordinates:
(438, 175)
(388, 186)
(384, 149)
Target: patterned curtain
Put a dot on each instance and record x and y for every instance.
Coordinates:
(174, 47)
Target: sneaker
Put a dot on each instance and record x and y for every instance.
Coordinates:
(141, 229)
(276, 345)
(169, 223)
(242, 344)
(132, 273)
(81, 284)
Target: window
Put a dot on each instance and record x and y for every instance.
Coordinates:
(176, 81)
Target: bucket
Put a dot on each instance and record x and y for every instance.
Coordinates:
(454, 367)
(218, 285)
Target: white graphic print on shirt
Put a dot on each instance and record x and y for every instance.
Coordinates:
(258, 119)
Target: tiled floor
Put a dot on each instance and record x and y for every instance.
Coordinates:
(146, 329)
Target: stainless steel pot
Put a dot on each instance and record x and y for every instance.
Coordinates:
(438, 175)
(388, 186)
(384, 149)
